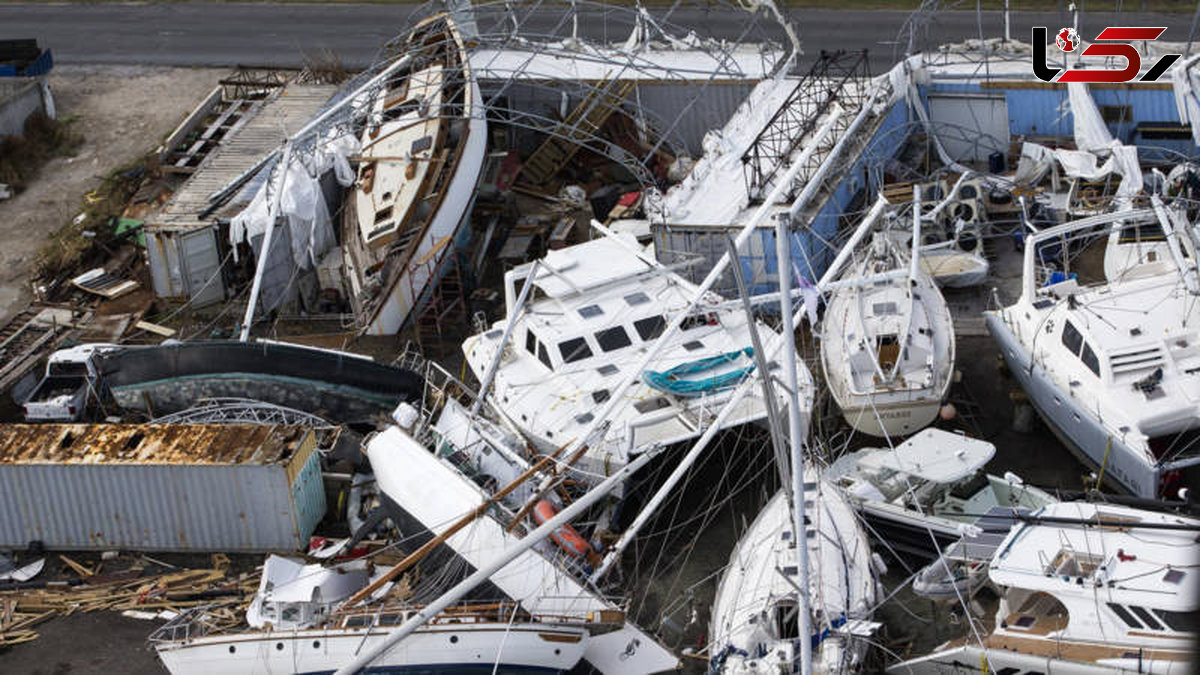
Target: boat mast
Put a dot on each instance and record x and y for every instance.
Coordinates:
(484, 573)
(760, 359)
(783, 255)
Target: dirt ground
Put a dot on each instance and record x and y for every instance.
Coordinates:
(122, 113)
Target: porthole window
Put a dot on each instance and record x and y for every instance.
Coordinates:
(453, 639)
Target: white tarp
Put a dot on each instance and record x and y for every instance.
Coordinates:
(1092, 138)
(301, 202)
(1186, 83)
(1034, 163)
(1091, 134)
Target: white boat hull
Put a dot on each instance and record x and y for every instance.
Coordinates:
(1073, 424)
(434, 649)
(890, 419)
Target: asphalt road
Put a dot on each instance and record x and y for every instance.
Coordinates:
(227, 34)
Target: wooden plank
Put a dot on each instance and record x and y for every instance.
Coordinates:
(155, 328)
(190, 123)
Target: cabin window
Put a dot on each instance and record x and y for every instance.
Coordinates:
(1183, 622)
(1071, 338)
(575, 349)
(1141, 232)
(530, 343)
(693, 345)
(608, 369)
(600, 395)
(884, 308)
(635, 299)
(383, 214)
(544, 357)
(590, 311)
(651, 404)
(651, 327)
(613, 338)
(699, 321)
(1089, 359)
(421, 145)
(1124, 615)
(1144, 615)
(397, 111)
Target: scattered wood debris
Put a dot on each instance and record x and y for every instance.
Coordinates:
(131, 591)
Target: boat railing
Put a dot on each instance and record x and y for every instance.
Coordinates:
(187, 625)
(501, 612)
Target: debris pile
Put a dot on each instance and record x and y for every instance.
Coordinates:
(137, 586)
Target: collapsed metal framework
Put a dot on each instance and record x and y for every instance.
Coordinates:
(834, 77)
(241, 411)
(515, 50)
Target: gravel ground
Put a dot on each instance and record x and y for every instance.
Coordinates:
(122, 112)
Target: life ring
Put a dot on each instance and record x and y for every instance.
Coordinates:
(567, 538)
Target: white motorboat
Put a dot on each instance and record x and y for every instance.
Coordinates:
(887, 343)
(594, 311)
(1086, 588)
(422, 152)
(1113, 366)
(928, 491)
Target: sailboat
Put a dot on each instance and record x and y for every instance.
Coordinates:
(887, 343)
(754, 626)
(422, 151)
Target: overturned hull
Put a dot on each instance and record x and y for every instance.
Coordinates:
(434, 493)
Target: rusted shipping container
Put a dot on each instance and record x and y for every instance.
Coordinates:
(235, 488)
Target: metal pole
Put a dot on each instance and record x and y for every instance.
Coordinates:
(483, 573)
(508, 328)
(783, 255)
(265, 249)
(760, 358)
(1007, 35)
(914, 262)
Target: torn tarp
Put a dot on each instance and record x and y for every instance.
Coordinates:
(1185, 80)
(301, 202)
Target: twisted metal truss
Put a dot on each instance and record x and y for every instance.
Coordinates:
(241, 411)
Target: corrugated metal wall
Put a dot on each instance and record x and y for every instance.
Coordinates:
(682, 111)
(1046, 111)
(233, 508)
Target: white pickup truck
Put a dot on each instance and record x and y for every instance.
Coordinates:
(62, 394)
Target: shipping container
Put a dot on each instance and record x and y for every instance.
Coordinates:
(165, 487)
